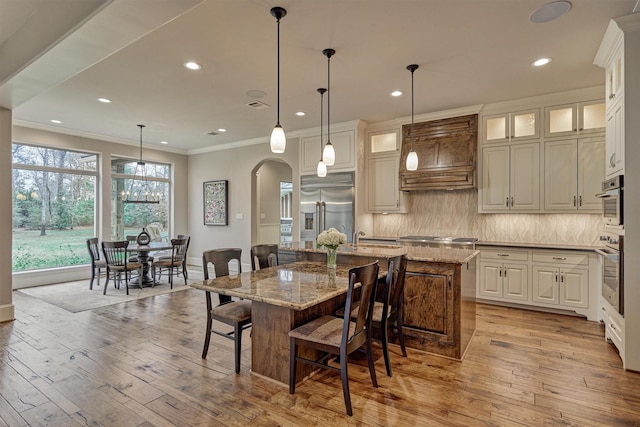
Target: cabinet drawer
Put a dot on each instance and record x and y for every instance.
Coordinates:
(504, 255)
(561, 258)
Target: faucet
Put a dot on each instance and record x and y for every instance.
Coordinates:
(356, 236)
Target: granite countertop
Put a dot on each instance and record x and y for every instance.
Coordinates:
(561, 246)
(414, 253)
(299, 285)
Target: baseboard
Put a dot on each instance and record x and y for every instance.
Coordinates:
(7, 313)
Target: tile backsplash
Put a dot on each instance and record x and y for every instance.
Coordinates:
(455, 213)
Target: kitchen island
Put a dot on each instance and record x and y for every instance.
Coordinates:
(284, 297)
(439, 305)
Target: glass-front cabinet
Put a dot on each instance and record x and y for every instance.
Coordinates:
(515, 126)
(575, 119)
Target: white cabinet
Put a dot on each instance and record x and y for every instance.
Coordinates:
(560, 279)
(383, 190)
(515, 126)
(574, 119)
(511, 178)
(614, 157)
(383, 143)
(344, 144)
(539, 277)
(613, 326)
(501, 278)
(383, 172)
(614, 72)
(573, 173)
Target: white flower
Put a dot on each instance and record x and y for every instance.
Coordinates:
(331, 238)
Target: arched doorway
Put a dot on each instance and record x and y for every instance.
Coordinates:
(272, 202)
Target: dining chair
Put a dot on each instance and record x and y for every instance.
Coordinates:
(232, 313)
(165, 255)
(387, 309)
(97, 263)
(133, 257)
(263, 256)
(174, 264)
(334, 336)
(115, 255)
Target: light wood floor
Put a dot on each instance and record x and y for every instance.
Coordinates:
(138, 364)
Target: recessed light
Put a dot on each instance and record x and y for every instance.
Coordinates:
(104, 100)
(396, 93)
(256, 94)
(222, 130)
(164, 142)
(549, 12)
(540, 62)
(300, 113)
(192, 65)
(55, 121)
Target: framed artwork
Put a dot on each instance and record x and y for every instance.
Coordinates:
(215, 203)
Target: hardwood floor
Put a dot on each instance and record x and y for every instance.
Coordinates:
(138, 364)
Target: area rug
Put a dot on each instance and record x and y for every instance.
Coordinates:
(76, 296)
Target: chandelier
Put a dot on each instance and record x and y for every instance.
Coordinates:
(139, 190)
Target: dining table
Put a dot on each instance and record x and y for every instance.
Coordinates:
(284, 297)
(144, 256)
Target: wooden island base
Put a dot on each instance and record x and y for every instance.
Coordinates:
(270, 338)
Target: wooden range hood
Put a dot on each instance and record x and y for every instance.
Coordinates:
(447, 152)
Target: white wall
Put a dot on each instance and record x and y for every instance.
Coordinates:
(6, 302)
(235, 165)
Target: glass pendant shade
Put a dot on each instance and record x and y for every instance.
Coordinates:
(322, 169)
(412, 161)
(329, 155)
(278, 140)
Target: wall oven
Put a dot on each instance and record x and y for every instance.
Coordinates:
(612, 200)
(613, 271)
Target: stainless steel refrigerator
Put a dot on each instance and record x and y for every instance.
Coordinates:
(326, 202)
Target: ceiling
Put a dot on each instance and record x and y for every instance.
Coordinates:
(58, 57)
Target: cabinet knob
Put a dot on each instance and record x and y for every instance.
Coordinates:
(507, 202)
(503, 254)
(574, 200)
(579, 200)
(560, 258)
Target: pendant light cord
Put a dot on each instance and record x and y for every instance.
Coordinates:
(322, 91)
(278, 120)
(328, 98)
(140, 126)
(412, 109)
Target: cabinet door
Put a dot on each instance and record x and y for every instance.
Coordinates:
(545, 284)
(524, 125)
(428, 302)
(591, 172)
(495, 178)
(615, 140)
(496, 128)
(560, 175)
(614, 84)
(525, 177)
(515, 278)
(591, 117)
(490, 280)
(383, 187)
(561, 120)
(574, 288)
(344, 146)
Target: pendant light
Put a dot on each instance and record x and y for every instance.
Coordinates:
(278, 139)
(139, 190)
(322, 168)
(329, 154)
(412, 157)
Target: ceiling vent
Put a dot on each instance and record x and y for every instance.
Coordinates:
(212, 133)
(257, 105)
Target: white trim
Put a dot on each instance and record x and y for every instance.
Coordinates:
(7, 312)
(27, 279)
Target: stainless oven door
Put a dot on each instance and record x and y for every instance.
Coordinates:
(612, 206)
(612, 279)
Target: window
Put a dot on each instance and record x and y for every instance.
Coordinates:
(128, 219)
(54, 193)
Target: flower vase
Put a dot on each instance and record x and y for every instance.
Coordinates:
(332, 253)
